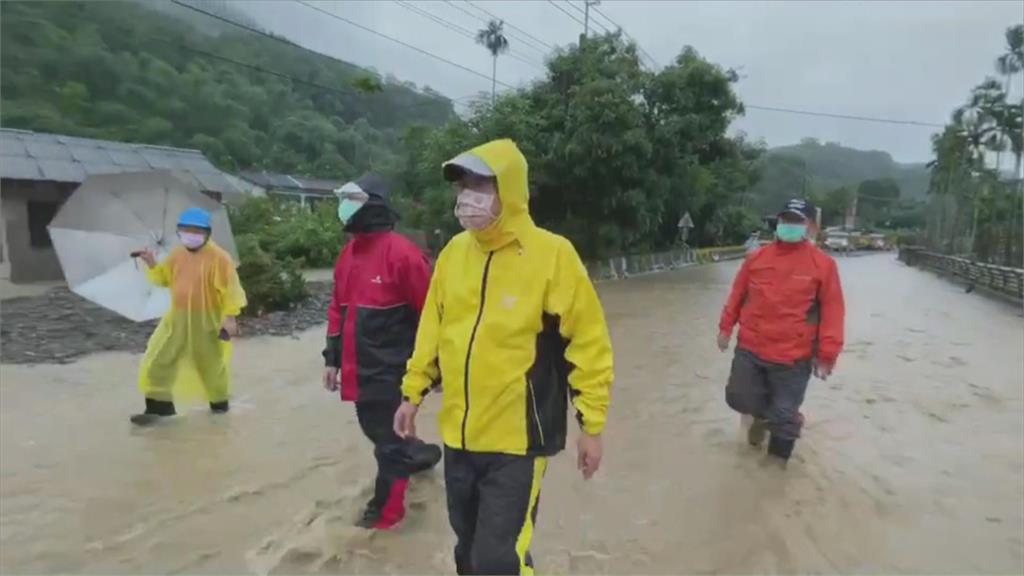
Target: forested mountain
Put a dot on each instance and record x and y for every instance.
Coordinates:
(126, 71)
(836, 165)
(812, 168)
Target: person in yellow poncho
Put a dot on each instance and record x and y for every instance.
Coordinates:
(190, 351)
(514, 330)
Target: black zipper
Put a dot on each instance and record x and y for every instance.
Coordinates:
(472, 338)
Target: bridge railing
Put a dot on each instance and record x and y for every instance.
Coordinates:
(635, 264)
(1001, 279)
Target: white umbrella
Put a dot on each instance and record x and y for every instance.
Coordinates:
(110, 216)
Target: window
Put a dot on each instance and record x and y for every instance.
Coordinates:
(39, 216)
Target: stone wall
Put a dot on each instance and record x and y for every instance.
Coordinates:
(1002, 280)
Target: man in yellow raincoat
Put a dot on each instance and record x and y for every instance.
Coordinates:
(190, 351)
(514, 329)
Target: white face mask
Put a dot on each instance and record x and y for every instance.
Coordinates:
(192, 240)
(475, 210)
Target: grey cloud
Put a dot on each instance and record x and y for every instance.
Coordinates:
(903, 60)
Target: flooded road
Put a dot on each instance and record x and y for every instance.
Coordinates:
(912, 458)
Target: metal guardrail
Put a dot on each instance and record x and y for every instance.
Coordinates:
(626, 266)
(1001, 279)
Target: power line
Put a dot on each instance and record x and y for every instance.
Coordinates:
(467, 33)
(627, 35)
(400, 42)
(337, 90)
(844, 116)
(584, 12)
(486, 21)
(567, 13)
(350, 91)
(520, 30)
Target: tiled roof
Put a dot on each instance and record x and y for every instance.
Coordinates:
(26, 155)
(272, 181)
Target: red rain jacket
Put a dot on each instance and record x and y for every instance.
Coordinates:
(380, 283)
(788, 301)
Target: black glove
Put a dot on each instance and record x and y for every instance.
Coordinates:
(332, 353)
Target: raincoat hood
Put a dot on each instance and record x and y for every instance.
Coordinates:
(509, 166)
(376, 215)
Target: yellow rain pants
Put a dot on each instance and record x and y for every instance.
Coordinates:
(186, 360)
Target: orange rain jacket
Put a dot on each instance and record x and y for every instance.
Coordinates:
(789, 303)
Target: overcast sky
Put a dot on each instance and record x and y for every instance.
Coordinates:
(910, 60)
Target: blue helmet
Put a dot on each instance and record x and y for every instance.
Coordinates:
(195, 218)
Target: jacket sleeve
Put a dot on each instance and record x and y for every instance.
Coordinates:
(332, 346)
(160, 275)
(416, 279)
(833, 316)
(231, 297)
(588, 351)
(731, 311)
(334, 308)
(422, 371)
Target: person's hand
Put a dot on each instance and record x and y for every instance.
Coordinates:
(588, 457)
(822, 369)
(723, 341)
(331, 380)
(405, 420)
(147, 256)
(230, 325)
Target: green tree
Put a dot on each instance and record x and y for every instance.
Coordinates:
(1009, 64)
(617, 153)
(876, 199)
(493, 38)
(134, 72)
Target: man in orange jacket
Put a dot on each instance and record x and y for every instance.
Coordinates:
(789, 303)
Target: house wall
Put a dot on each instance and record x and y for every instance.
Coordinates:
(29, 263)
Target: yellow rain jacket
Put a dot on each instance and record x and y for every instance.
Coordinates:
(513, 328)
(185, 358)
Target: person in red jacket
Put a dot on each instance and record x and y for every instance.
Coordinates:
(380, 283)
(789, 303)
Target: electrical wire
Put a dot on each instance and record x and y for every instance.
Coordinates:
(844, 116)
(627, 35)
(401, 42)
(520, 30)
(486, 21)
(567, 13)
(463, 31)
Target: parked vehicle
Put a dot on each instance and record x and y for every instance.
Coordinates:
(877, 242)
(838, 241)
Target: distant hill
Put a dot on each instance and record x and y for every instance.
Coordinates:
(813, 167)
(158, 73)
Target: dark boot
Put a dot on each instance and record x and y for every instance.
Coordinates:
(424, 457)
(781, 448)
(756, 433)
(155, 410)
(219, 407)
(371, 516)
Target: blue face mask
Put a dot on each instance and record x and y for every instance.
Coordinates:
(791, 233)
(347, 208)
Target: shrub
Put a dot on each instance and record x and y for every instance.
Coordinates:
(270, 283)
(288, 231)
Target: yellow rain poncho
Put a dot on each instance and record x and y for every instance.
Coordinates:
(186, 359)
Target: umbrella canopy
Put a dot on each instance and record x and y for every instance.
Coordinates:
(110, 216)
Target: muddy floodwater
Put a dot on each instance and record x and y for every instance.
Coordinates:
(912, 458)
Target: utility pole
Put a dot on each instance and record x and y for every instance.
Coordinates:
(586, 15)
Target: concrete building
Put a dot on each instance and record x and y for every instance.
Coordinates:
(306, 191)
(39, 171)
